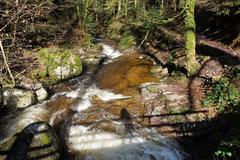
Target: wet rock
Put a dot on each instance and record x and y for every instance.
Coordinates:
(18, 98)
(36, 141)
(41, 94)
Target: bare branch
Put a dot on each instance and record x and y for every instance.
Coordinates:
(6, 64)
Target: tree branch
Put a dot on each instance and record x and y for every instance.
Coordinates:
(6, 64)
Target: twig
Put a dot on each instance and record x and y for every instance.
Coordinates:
(22, 72)
(6, 64)
(144, 39)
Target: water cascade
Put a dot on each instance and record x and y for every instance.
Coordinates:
(103, 136)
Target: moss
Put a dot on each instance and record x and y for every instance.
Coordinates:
(153, 89)
(127, 41)
(190, 39)
(57, 64)
(45, 139)
(87, 40)
(114, 29)
(191, 64)
(155, 70)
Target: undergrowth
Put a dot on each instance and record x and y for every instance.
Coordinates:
(224, 95)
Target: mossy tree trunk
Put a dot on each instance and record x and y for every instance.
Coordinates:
(190, 38)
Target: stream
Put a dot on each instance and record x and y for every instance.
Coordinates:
(99, 113)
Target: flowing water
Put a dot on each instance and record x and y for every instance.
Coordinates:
(98, 113)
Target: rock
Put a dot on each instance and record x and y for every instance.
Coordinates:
(212, 69)
(57, 64)
(172, 96)
(37, 141)
(28, 83)
(41, 94)
(18, 98)
(158, 70)
(91, 55)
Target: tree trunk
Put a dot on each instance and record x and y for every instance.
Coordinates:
(119, 8)
(135, 4)
(190, 38)
(126, 10)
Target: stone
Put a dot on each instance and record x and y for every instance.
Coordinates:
(41, 94)
(36, 141)
(68, 69)
(91, 56)
(212, 69)
(158, 70)
(173, 95)
(57, 64)
(18, 98)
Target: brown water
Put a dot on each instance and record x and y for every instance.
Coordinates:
(125, 74)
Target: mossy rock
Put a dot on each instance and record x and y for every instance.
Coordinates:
(36, 141)
(127, 41)
(57, 64)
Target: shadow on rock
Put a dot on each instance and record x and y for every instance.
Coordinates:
(34, 142)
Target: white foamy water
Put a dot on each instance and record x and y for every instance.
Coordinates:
(102, 145)
(95, 91)
(110, 52)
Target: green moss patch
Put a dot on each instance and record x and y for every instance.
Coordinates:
(57, 64)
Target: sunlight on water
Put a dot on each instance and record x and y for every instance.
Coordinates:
(109, 146)
(94, 91)
(110, 52)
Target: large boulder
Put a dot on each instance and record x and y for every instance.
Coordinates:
(36, 141)
(162, 98)
(19, 98)
(57, 64)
